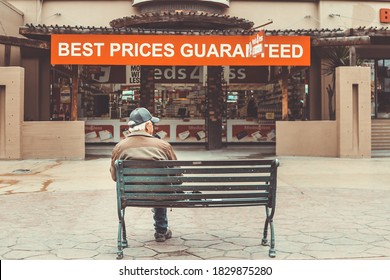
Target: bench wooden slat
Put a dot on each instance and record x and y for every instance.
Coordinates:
(199, 203)
(187, 170)
(182, 163)
(197, 187)
(178, 179)
(182, 196)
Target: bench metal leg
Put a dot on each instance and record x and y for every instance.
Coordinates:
(124, 235)
(120, 249)
(122, 239)
(264, 241)
(272, 252)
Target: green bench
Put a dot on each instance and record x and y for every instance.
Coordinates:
(196, 184)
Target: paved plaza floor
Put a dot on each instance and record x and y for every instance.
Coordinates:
(327, 208)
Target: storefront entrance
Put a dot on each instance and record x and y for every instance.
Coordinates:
(251, 101)
(383, 89)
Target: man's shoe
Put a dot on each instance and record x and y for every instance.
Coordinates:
(161, 237)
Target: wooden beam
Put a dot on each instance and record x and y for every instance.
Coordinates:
(341, 41)
(75, 90)
(284, 86)
(22, 42)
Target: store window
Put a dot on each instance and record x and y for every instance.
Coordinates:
(298, 92)
(383, 88)
(180, 101)
(254, 99)
(61, 93)
(264, 102)
(253, 109)
(105, 101)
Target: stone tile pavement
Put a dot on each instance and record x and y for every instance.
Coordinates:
(327, 208)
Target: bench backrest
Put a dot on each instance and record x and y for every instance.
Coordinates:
(204, 183)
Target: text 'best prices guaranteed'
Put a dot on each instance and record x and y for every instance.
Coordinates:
(177, 50)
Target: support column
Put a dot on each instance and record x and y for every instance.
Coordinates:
(147, 88)
(353, 111)
(315, 87)
(215, 103)
(75, 90)
(284, 87)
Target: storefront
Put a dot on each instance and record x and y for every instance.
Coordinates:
(251, 98)
(247, 101)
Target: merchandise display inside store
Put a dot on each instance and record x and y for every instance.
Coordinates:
(249, 110)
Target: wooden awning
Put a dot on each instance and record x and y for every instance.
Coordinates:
(23, 42)
(39, 35)
(183, 20)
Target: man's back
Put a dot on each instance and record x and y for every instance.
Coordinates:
(142, 146)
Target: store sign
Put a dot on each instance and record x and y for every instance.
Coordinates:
(194, 74)
(384, 15)
(104, 74)
(178, 74)
(133, 74)
(256, 44)
(101, 76)
(176, 50)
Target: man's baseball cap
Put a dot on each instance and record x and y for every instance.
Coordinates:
(141, 115)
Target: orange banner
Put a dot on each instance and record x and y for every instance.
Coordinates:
(177, 50)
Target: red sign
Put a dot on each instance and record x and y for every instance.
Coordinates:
(253, 133)
(160, 131)
(99, 133)
(384, 15)
(190, 133)
(92, 49)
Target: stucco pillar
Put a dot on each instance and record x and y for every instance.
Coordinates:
(353, 111)
(11, 111)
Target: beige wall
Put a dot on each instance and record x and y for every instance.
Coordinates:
(285, 15)
(2, 121)
(53, 140)
(306, 138)
(11, 111)
(92, 13)
(11, 18)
